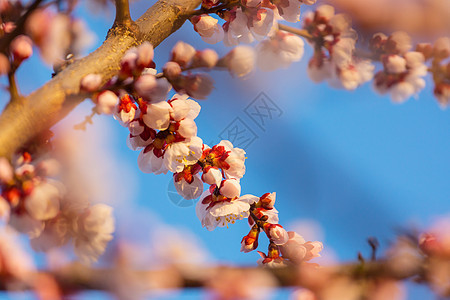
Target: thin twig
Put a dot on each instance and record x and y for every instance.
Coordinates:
(13, 89)
(301, 32)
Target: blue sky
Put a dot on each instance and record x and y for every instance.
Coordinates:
(354, 163)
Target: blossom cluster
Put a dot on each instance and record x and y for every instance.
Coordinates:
(336, 58)
(55, 34)
(334, 43)
(402, 69)
(247, 21)
(34, 202)
(165, 132)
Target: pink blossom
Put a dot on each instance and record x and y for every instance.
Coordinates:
(221, 212)
(235, 160)
(190, 190)
(279, 51)
(208, 28)
(144, 55)
(44, 201)
(297, 249)
(157, 115)
(94, 231)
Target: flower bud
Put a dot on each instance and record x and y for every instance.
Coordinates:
(21, 48)
(277, 234)
(171, 70)
(395, 64)
(199, 86)
(212, 176)
(144, 55)
(106, 102)
(230, 188)
(182, 54)
(240, 61)
(207, 58)
(91, 82)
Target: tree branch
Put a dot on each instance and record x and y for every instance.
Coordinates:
(20, 122)
(78, 277)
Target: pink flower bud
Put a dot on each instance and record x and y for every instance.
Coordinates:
(402, 41)
(91, 82)
(204, 24)
(278, 234)
(207, 58)
(144, 55)
(268, 200)
(248, 244)
(212, 176)
(144, 85)
(106, 102)
(325, 11)
(182, 54)
(414, 59)
(171, 70)
(230, 188)
(128, 62)
(240, 61)
(199, 86)
(21, 48)
(429, 244)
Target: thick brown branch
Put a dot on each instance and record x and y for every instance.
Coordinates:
(20, 122)
(78, 277)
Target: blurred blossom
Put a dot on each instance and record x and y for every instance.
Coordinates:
(228, 284)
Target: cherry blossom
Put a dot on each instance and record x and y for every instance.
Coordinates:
(94, 231)
(402, 76)
(296, 249)
(279, 51)
(215, 209)
(333, 34)
(208, 28)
